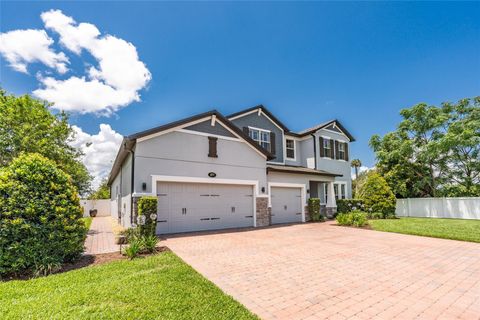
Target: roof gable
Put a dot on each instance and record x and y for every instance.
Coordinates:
(261, 111)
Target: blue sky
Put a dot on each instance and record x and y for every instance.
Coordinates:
(358, 62)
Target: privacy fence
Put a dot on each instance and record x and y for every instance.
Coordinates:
(461, 208)
(102, 206)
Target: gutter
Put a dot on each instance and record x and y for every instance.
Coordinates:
(314, 150)
(132, 182)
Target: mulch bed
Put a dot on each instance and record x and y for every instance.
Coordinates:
(87, 260)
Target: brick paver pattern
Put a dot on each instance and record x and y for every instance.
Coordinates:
(100, 237)
(324, 271)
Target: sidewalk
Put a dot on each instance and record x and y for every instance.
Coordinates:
(100, 237)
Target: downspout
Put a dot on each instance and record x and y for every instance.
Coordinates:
(314, 151)
(132, 184)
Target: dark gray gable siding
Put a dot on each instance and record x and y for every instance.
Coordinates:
(206, 127)
(262, 122)
(332, 128)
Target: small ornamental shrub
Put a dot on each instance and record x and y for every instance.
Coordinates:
(149, 244)
(147, 215)
(314, 209)
(40, 217)
(134, 248)
(375, 215)
(348, 205)
(355, 218)
(377, 195)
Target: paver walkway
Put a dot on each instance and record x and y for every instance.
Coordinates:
(100, 237)
(323, 271)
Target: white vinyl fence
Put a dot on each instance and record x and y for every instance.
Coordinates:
(461, 208)
(102, 206)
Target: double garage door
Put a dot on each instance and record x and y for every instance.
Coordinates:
(186, 207)
(286, 205)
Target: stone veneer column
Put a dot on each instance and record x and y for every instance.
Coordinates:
(263, 212)
(307, 214)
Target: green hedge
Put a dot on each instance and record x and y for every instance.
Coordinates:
(356, 219)
(348, 205)
(147, 215)
(314, 209)
(40, 217)
(377, 195)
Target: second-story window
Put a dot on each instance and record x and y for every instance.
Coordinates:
(290, 146)
(327, 147)
(262, 137)
(341, 151)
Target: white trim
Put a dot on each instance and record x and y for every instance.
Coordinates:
(243, 114)
(259, 129)
(253, 183)
(294, 149)
(214, 117)
(340, 133)
(157, 134)
(205, 134)
(289, 185)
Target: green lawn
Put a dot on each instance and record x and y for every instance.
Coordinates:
(88, 222)
(157, 287)
(456, 229)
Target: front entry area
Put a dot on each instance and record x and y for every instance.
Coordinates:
(286, 205)
(187, 207)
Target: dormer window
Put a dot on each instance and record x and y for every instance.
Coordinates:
(290, 148)
(262, 137)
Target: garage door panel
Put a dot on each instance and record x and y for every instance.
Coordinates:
(208, 206)
(286, 205)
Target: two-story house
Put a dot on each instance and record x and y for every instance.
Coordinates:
(244, 170)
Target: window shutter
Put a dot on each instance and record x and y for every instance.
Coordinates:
(272, 143)
(322, 151)
(212, 147)
(346, 151)
(337, 154)
(245, 130)
(331, 149)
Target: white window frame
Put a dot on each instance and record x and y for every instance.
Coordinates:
(294, 149)
(341, 153)
(338, 195)
(260, 140)
(327, 140)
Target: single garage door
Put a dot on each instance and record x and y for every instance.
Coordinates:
(286, 205)
(186, 207)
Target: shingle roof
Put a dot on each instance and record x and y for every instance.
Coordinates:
(300, 170)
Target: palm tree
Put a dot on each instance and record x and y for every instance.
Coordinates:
(356, 163)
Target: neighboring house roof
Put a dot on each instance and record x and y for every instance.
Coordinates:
(300, 170)
(324, 125)
(129, 141)
(265, 111)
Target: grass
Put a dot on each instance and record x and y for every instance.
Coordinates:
(455, 229)
(157, 287)
(88, 222)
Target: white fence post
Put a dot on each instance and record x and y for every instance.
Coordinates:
(460, 208)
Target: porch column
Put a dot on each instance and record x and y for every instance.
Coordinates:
(331, 201)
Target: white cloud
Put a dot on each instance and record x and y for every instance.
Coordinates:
(21, 47)
(100, 150)
(117, 79)
(114, 82)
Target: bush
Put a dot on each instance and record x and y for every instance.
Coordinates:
(356, 219)
(375, 215)
(40, 217)
(348, 205)
(149, 244)
(133, 248)
(314, 209)
(377, 195)
(147, 215)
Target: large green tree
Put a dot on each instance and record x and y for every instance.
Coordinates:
(28, 126)
(433, 152)
(102, 192)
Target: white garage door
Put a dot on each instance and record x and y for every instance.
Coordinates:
(286, 205)
(185, 207)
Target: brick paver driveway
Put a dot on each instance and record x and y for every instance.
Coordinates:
(320, 271)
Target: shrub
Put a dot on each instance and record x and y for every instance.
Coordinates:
(348, 205)
(375, 215)
(40, 217)
(131, 234)
(134, 248)
(149, 244)
(147, 215)
(377, 195)
(314, 209)
(355, 218)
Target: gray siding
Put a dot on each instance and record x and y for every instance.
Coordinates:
(184, 154)
(121, 193)
(207, 127)
(262, 122)
(332, 165)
